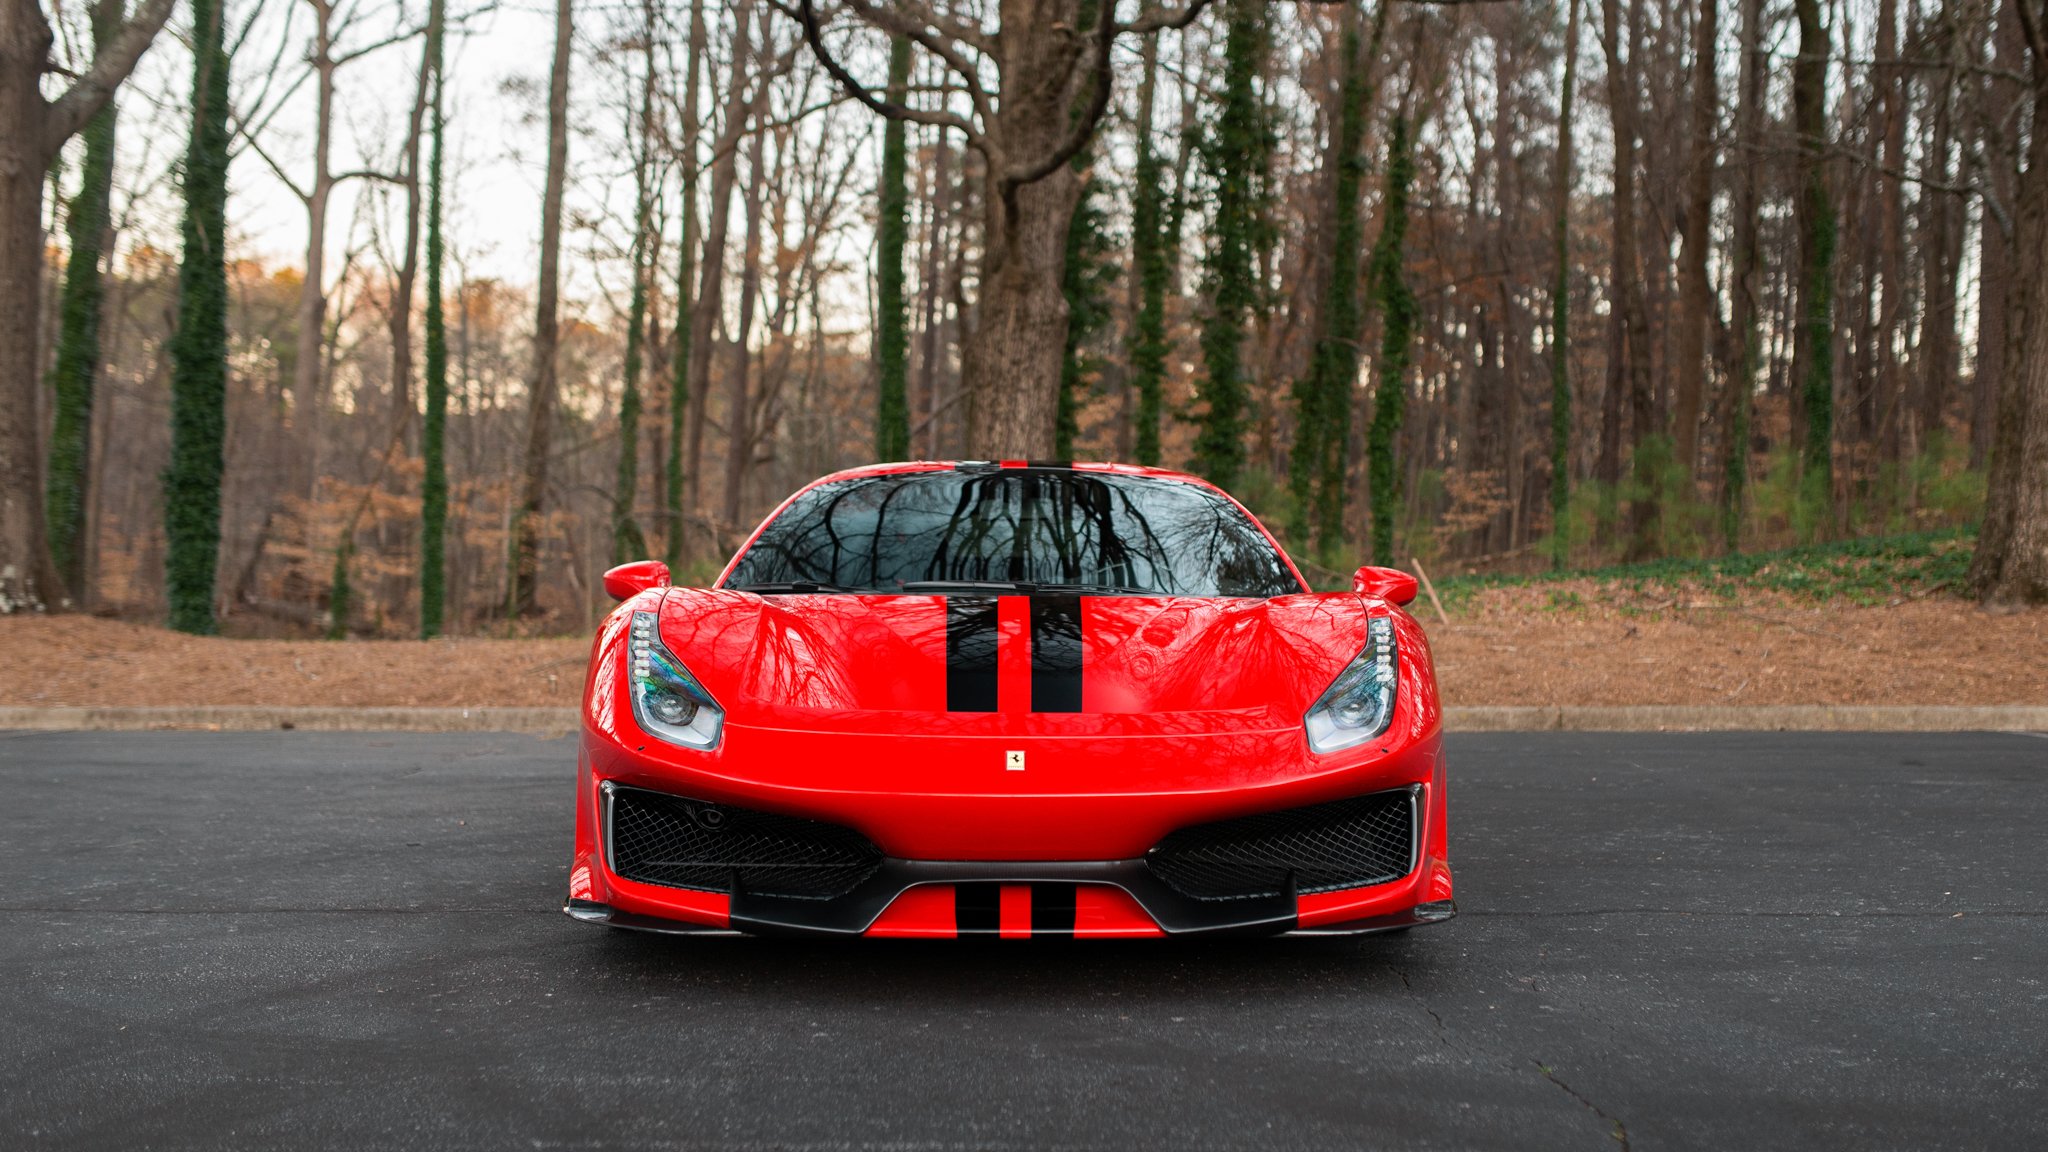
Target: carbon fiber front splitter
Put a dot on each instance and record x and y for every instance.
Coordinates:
(854, 913)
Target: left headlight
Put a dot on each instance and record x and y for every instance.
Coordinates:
(668, 701)
(1359, 704)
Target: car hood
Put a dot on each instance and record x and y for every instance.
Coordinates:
(956, 665)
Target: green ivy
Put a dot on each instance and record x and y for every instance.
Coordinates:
(191, 484)
(1322, 398)
(1397, 323)
(78, 342)
(1238, 156)
(892, 337)
(433, 432)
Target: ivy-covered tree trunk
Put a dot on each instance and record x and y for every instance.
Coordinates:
(73, 376)
(1397, 324)
(1322, 398)
(199, 347)
(1814, 350)
(1239, 150)
(1561, 310)
(686, 272)
(892, 334)
(1150, 269)
(434, 426)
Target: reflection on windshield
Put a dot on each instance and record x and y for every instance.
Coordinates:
(1135, 534)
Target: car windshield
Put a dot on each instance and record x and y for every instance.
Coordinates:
(1021, 529)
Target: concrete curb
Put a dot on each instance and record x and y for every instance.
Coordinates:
(245, 718)
(1481, 718)
(1767, 718)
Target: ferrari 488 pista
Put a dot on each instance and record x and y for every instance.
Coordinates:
(1014, 700)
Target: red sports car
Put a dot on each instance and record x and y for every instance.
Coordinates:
(1010, 700)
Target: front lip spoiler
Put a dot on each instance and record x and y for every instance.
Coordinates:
(853, 913)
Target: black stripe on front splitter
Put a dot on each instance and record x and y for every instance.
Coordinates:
(1052, 909)
(971, 654)
(1055, 653)
(978, 909)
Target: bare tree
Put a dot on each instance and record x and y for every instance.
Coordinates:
(543, 382)
(32, 129)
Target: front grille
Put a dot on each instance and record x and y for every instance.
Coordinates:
(1342, 844)
(661, 839)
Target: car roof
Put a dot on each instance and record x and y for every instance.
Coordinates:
(909, 466)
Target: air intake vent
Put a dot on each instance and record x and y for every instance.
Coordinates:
(668, 840)
(1324, 847)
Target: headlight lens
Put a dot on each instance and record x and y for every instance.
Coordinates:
(1359, 704)
(667, 700)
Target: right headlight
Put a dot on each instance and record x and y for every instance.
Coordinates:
(668, 701)
(1359, 704)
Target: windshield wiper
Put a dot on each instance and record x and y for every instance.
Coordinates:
(799, 587)
(1026, 588)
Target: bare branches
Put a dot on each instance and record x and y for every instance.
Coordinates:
(807, 16)
(1160, 19)
(84, 99)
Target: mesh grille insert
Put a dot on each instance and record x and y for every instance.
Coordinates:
(680, 843)
(1324, 847)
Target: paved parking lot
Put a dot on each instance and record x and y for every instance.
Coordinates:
(304, 940)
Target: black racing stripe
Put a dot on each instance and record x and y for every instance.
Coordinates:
(1052, 910)
(970, 654)
(978, 909)
(1056, 653)
(1067, 464)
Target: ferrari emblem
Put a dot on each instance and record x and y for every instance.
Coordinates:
(1013, 761)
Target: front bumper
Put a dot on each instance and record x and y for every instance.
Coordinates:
(1118, 898)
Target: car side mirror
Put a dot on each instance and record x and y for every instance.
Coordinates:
(1389, 584)
(629, 580)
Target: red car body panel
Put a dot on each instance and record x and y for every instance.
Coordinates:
(1191, 711)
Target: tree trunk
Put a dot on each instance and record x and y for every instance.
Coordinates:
(1237, 156)
(892, 335)
(937, 220)
(1322, 423)
(1889, 78)
(1561, 308)
(78, 346)
(2002, 100)
(679, 398)
(1940, 249)
(433, 430)
(542, 381)
(627, 542)
(1151, 267)
(400, 326)
(711, 281)
(739, 416)
(1814, 350)
(1010, 362)
(1397, 319)
(26, 578)
(2011, 565)
(191, 491)
(1697, 306)
(309, 391)
(1745, 278)
(31, 132)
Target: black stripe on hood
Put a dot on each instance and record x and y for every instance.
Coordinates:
(971, 654)
(1056, 653)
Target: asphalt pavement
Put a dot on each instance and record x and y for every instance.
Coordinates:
(350, 941)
